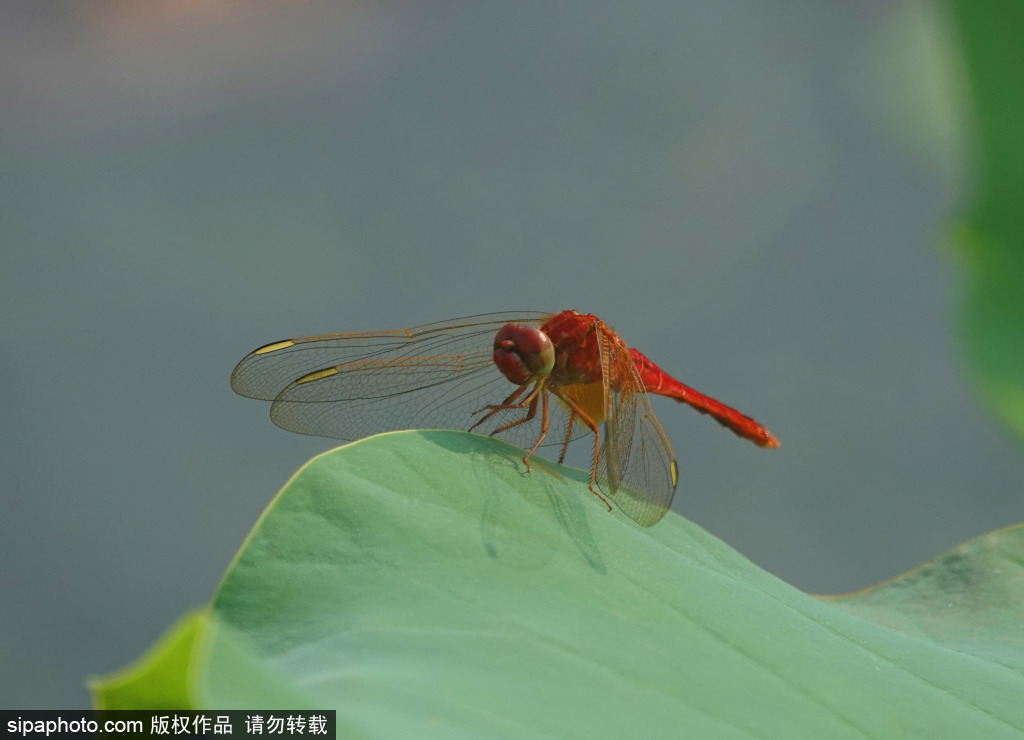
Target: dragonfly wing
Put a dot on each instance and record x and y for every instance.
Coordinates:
(349, 386)
(636, 465)
(355, 400)
(265, 372)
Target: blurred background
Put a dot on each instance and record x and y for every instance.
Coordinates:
(755, 195)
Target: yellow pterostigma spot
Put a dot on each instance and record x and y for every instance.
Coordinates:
(317, 375)
(274, 347)
(674, 470)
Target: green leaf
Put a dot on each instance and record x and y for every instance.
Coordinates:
(991, 238)
(970, 599)
(160, 678)
(422, 585)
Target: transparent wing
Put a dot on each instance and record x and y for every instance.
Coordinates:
(349, 386)
(266, 371)
(636, 467)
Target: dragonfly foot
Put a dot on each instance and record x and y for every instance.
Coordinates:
(601, 497)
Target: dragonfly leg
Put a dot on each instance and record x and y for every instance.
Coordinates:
(568, 433)
(544, 420)
(532, 412)
(577, 411)
(504, 405)
(543, 396)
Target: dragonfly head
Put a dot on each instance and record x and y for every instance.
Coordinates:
(523, 353)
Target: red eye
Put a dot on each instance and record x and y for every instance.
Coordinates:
(523, 352)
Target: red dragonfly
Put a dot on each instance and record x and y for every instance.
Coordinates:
(451, 374)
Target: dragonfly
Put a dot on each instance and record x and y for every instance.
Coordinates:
(530, 378)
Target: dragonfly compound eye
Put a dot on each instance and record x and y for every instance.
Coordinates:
(523, 352)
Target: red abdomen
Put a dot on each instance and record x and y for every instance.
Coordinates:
(658, 381)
